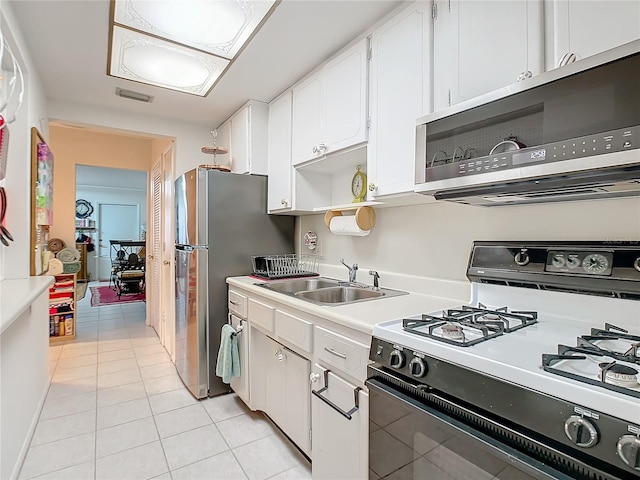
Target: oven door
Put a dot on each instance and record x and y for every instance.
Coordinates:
(409, 439)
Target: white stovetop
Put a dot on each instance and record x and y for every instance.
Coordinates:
(517, 356)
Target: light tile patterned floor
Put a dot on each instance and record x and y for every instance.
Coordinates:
(117, 410)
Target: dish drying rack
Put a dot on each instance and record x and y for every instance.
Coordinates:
(284, 266)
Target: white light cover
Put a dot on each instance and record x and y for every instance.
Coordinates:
(141, 58)
(220, 27)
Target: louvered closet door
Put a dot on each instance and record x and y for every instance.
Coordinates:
(154, 282)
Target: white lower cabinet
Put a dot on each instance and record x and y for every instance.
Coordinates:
(340, 444)
(280, 379)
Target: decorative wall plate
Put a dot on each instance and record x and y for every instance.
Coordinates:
(83, 208)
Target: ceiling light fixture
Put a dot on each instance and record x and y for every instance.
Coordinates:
(183, 45)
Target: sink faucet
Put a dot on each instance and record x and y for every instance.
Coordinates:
(352, 270)
(376, 277)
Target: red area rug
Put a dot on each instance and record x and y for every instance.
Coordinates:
(106, 296)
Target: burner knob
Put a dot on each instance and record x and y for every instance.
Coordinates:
(417, 367)
(396, 359)
(636, 264)
(522, 257)
(581, 431)
(629, 451)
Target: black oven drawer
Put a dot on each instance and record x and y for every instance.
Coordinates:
(428, 436)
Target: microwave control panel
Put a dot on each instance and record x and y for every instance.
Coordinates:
(588, 146)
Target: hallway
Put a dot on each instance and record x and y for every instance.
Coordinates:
(116, 409)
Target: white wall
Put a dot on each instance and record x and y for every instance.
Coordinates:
(434, 240)
(14, 260)
(189, 137)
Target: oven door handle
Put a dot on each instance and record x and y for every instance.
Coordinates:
(509, 454)
(356, 401)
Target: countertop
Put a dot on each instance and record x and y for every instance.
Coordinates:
(361, 316)
(17, 294)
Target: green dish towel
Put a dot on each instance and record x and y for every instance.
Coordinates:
(228, 365)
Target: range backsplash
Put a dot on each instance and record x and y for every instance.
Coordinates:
(434, 240)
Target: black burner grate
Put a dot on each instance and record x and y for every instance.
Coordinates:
(469, 325)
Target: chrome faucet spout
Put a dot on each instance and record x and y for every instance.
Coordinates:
(352, 270)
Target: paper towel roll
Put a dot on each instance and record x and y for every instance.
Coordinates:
(346, 225)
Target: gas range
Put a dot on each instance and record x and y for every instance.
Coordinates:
(571, 357)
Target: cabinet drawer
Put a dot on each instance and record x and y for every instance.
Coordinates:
(261, 315)
(237, 304)
(294, 330)
(341, 352)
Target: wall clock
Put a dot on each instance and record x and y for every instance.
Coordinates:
(83, 208)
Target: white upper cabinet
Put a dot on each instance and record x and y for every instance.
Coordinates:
(330, 107)
(248, 138)
(279, 154)
(480, 46)
(400, 94)
(581, 28)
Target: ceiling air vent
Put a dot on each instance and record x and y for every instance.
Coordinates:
(131, 95)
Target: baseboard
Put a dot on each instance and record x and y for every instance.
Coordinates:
(32, 429)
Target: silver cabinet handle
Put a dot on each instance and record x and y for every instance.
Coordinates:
(315, 149)
(372, 187)
(567, 58)
(284, 201)
(322, 147)
(337, 354)
(356, 398)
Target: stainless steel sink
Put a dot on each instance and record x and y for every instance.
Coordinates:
(340, 294)
(300, 284)
(328, 291)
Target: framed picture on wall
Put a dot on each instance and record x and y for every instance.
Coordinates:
(41, 199)
(44, 185)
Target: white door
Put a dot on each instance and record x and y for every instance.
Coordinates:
(307, 129)
(345, 99)
(240, 141)
(279, 154)
(116, 222)
(167, 252)
(400, 93)
(340, 446)
(584, 28)
(154, 260)
(485, 45)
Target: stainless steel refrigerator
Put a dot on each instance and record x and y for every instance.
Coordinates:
(221, 221)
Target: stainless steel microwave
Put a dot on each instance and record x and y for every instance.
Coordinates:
(568, 134)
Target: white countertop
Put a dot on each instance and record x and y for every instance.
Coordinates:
(361, 316)
(17, 294)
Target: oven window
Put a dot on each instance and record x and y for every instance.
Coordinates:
(407, 443)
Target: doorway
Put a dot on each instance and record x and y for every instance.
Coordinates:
(117, 222)
(119, 202)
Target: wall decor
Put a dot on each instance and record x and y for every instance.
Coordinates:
(84, 209)
(41, 198)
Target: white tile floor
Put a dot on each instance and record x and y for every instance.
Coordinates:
(117, 410)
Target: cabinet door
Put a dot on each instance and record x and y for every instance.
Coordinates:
(340, 446)
(588, 27)
(223, 139)
(400, 93)
(345, 98)
(240, 141)
(297, 400)
(485, 45)
(240, 384)
(307, 119)
(279, 153)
